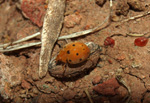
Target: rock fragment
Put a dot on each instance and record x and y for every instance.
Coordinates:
(96, 79)
(71, 20)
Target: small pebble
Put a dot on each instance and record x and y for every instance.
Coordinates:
(22, 91)
(35, 90)
(100, 2)
(121, 57)
(71, 20)
(115, 18)
(76, 85)
(96, 79)
(126, 70)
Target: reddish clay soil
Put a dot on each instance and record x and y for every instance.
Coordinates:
(122, 72)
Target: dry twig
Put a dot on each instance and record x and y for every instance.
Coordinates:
(85, 32)
(89, 96)
(19, 41)
(134, 17)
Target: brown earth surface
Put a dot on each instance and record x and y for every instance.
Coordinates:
(122, 73)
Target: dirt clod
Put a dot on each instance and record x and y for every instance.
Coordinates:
(146, 98)
(107, 88)
(122, 8)
(33, 10)
(100, 2)
(69, 94)
(136, 5)
(25, 84)
(120, 96)
(69, 102)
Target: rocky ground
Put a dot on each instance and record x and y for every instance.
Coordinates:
(122, 72)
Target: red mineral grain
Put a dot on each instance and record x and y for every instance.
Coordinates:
(110, 61)
(107, 88)
(141, 41)
(109, 42)
(87, 27)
